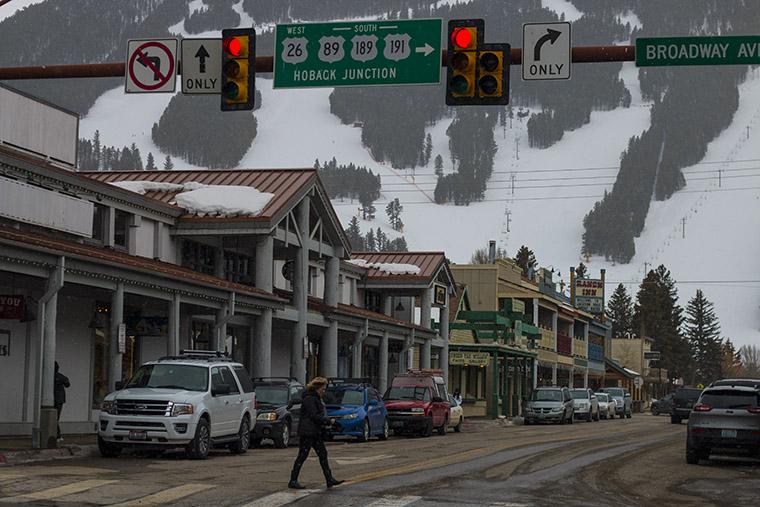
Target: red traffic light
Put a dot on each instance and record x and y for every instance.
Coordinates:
(232, 46)
(462, 38)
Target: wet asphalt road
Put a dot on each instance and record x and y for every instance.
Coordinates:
(637, 461)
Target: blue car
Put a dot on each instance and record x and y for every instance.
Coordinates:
(358, 409)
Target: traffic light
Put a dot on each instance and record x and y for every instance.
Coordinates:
(238, 69)
(477, 73)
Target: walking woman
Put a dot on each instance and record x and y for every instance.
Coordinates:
(311, 430)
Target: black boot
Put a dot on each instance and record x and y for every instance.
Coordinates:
(332, 481)
(295, 485)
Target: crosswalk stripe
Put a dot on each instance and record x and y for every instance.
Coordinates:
(49, 494)
(394, 501)
(281, 498)
(167, 495)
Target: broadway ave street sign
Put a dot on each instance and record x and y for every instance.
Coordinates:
(742, 50)
(358, 53)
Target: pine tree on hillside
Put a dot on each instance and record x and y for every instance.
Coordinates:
(439, 165)
(526, 259)
(96, 148)
(620, 313)
(396, 245)
(731, 366)
(702, 329)
(137, 164)
(168, 164)
(368, 209)
(393, 210)
(150, 163)
(428, 152)
(657, 315)
(382, 240)
(354, 234)
(581, 271)
(370, 241)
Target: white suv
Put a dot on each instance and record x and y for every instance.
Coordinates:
(195, 400)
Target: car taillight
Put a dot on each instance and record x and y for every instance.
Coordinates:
(701, 407)
(754, 410)
(698, 430)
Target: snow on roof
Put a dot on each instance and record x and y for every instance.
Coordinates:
(222, 200)
(388, 267)
(631, 371)
(142, 187)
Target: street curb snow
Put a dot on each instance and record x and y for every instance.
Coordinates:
(11, 458)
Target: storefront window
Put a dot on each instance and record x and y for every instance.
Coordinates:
(121, 229)
(99, 215)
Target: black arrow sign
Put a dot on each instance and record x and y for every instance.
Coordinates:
(551, 35)
(153, 63)
(201, 55)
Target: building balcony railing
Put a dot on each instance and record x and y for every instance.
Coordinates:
(595, 352)
(579, 347)
(548, 340)
(564, 344)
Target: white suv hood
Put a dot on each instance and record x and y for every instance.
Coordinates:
(175, 395)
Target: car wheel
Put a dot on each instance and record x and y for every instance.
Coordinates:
(200, 445)
(282, 440)
(442, 428)
(386, 430)
(458, 427)
(428, 431)
(655, 412)
(107, 449)
(244, 438)
(365, 432)
(692, 455)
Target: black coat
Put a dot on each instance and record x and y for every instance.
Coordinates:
(313, 419)
(59, 391)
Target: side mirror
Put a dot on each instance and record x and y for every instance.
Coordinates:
(373, 403)
(627, 395)
(220, 390)
(293, 402)
(119, 385)
(437, 399)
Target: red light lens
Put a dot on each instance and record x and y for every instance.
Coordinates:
(462, 38)
(232, 46)
(702, 408)
(754, 410)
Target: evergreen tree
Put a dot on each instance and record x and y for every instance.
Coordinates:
(354, 234)
(168, 164)
(439, 165)
(581, 271)
(480, 256)
(382, 240)
(370, 241)
(657, 315)
(731, 366)
(620, 313)
(428, 149)
(137, 164)
(393, 210)
(96, 151)
(150, 163)
(750, 360)
(396, 245)
(702, 329)
(526, 259)
(368, 209)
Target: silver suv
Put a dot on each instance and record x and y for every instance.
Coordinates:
(196, 401)
(622, 399)
(549, 404)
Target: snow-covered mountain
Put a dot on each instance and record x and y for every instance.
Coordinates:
(536, 197)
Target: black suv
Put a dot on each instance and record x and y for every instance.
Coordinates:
(278, 404)
(683, 401)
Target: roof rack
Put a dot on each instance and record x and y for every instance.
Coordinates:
(352, 381)
(198, 355)
(274, 379)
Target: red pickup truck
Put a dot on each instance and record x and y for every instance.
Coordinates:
(417, 403)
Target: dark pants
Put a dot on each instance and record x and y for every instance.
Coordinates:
(305, 446)
(58, 409)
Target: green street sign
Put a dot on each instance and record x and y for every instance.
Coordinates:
(358, 53)
(665, 51)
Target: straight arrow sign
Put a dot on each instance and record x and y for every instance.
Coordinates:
(201, 55)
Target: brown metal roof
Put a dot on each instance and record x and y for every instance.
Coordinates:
(428, 262)
(96, 253)
(285, 184)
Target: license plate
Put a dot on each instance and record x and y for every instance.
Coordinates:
(728, 433)
(138, 435)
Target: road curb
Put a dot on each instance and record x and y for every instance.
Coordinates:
(19, 457)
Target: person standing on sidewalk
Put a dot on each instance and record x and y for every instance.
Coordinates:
(59, 394)
(311, 429)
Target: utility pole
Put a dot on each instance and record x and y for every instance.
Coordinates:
(509, 219)
(646, 269)
(517, 148)
(512, 179)
(747, 131)
(683, 228)
(720, 175)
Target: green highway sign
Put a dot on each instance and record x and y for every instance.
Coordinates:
(358, 53)
(735, 50)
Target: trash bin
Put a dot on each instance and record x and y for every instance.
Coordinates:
(637, 406)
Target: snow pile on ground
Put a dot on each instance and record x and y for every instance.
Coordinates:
(223, 201)
(389, 268)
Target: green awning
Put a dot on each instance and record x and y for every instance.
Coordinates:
(531, 331)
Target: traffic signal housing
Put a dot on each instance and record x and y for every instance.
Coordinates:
(238, 69)
(477, 73)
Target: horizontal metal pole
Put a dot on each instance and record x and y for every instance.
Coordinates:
(265, 64)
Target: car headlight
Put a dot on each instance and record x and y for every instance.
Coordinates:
(351, 416)
(182, 409)
(418, 410)
(558, 409)
(108, 407)
(267, 416)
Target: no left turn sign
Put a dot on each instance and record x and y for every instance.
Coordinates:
(151, 66)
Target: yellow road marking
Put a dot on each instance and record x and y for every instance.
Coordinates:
(167, 495)
(49, 494)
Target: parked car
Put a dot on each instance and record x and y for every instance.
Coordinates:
(456, 415)
(417, 402)
(739, 382)
(683, 400)
(725, 419)
(606, 405)
(622, 399)
(196, 400)
(358, 409)
(663, 405)
(278, 400)
(549, 404)
(585, 404)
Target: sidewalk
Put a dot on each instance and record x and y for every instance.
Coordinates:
(18, 450)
